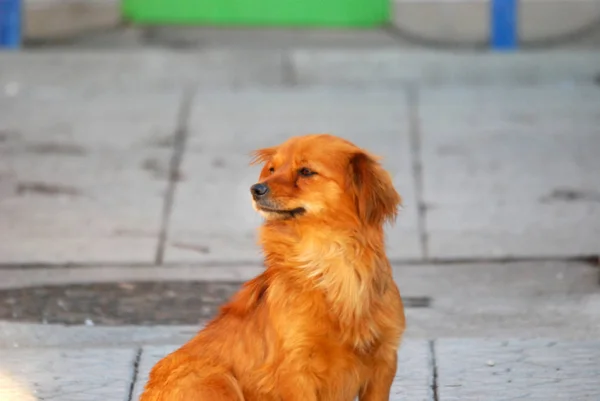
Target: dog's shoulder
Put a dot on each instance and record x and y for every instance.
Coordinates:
(249, 297)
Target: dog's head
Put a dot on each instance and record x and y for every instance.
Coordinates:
(323, 177)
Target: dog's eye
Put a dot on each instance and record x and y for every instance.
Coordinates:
(305, 172)
(272, 170)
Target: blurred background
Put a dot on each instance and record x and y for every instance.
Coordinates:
(470, 24)
(125, 215)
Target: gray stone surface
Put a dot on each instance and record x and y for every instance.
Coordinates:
(414, 373)
(100, 122)
(29, 335)
(364, 65)
(413, 377)
(511, 172)
(498, 280)
(213, 218)
(66, 374)
(82, 178)
(139, 70)
(469, 369)
(30, 277)
(474, 370)
(272, 39)
(388, 68)
(53, 20)
(513, 300)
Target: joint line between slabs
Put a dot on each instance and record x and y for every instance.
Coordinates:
(288, 70)
(180, 139)
(417, 165)
(134, 376)
(434, 372)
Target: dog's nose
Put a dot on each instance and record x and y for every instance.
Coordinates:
(259, 190)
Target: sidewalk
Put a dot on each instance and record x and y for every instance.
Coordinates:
(127, 167)
(465, 369)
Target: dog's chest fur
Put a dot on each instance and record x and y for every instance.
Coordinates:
(351, 287)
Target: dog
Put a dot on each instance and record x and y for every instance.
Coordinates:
(324, 321)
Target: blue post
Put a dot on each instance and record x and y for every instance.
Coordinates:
(10, 24)
(503, 24)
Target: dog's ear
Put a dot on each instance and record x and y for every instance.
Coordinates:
(375, 196)
(261, 156)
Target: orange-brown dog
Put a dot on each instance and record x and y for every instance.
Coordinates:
(324, 320)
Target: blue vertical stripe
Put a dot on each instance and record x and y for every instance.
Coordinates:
(503, 24)
(10, 24)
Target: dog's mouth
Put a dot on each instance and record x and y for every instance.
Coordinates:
(282, 212)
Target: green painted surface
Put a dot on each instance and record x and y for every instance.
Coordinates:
(324, 13)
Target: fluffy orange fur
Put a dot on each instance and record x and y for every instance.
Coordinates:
(325, 319)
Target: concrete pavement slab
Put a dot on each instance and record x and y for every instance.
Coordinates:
(412, 382)
(82, 178)
(467, 369)
(510, 280)
(511, 172)
(138, 70)
(66, 374)
(503, 300)
(149, 69)
(44, 276)
(474, 370)
(392, 68)
(213, 218)
(414, 374)
(84, 123)
(32, 335)
(573, 316)
(65, 211)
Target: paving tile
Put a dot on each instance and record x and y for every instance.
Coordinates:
(414, 375)
(31, 335)
(474, 370)
(529, 299)
(413, 378)
(43, 276)
(365, 63)
(137, 71)
(570, 317)
(82, 179)
(213, 217)
(66, 374)
(74, 124)
(510, 173)
(385, 68)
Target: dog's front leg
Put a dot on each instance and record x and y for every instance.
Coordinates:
(382, 376)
